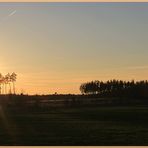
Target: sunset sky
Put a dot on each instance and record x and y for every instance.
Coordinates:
(54, 47)
(79, 0)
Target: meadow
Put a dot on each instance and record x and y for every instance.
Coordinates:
(99, 125)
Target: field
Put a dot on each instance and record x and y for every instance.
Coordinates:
(75, 126)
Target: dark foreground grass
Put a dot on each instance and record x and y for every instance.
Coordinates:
(75, 126)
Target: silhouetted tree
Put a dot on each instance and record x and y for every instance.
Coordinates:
(116, 88)
(1, 82)
(8, 79)
(13, 80)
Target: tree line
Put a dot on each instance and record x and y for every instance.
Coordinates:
(116, 88)
(7, 83)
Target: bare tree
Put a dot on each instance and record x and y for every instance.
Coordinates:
(1, 81)
(7, 81)
(13, 80)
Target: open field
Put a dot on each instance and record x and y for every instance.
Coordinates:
(122, 125)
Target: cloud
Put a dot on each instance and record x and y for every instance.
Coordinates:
(138, 67)
(12, 13)
(2, 20)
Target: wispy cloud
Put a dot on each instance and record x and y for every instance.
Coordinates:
(12, 13)
(138, 67)
(7, 17)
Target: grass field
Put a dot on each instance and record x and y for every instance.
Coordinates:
(75, 126)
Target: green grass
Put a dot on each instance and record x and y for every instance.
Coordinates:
(75, 126)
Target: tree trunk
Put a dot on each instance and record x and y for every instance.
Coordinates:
(9, 88)
(5, 88)
(13, 88)
(0, 89)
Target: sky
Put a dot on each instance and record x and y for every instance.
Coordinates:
(73, 0)
(55, 47)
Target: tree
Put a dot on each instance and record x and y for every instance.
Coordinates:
(7, 81)
(116, 88)
(13, 80)
(1, 81)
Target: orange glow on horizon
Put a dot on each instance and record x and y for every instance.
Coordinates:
(56, 50)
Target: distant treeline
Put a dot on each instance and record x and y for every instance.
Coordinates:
(116, 88)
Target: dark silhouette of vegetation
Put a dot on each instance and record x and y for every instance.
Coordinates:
(116, 88)
(103, 115)
(7, 80)
(94, 93)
